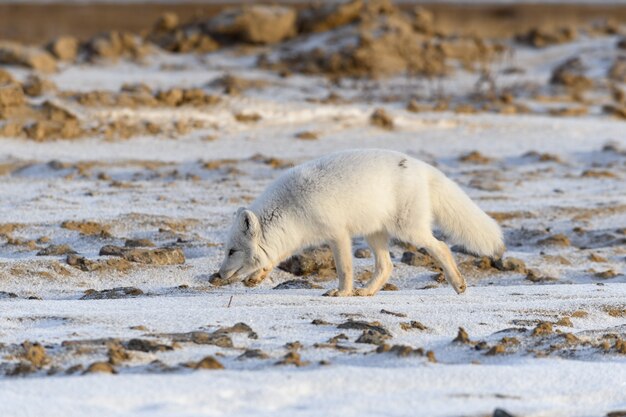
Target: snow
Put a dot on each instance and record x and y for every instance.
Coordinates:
(534, 381)
(359, 384)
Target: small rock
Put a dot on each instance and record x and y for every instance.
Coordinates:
(160, 256)
(594, 257)
(35, 354)
(139, 243)
(247, 117)
(389, 287)
(12, 53)
(498, 349)
(413, 325)
(143, 345)
(56, 250)
(309, 262)
(607, 274)
(208, 362)
(535, 276)
(4, 295)
(100, 367)
(555, 240)
(362, 253)
(382, 119)
(297, 284)
(307, 135)
(117, 354)
(372, 337)
(418, 259)
(204, 338)
(543, 329)
(293, 345)
(64, 48)
(259, 24)
(475, 157)
(114, 293)
(392, 313)
(510, 264)
(499, 412)
(564, 321)
(363, 325)
(292, 358)
(88, 228)
(253, 354)
(462, 337)
(167, 22)
(35, 86)
(399, 350)
(237, 328)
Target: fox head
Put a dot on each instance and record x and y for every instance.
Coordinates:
(243, 254)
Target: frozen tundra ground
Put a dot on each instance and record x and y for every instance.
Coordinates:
(85, 333)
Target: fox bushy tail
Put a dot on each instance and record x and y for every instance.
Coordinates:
(462, 221)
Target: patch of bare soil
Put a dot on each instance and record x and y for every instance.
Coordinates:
(120, 292)
(160, 256)
(89, 228)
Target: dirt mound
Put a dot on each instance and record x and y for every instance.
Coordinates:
(64, 48)
(139, 95)
(106, 265)
(309, 262)
(258, 24)
(12, 100)
(208, 362)
(119, 292)
(161, 256)
(571, 74)
(617, 72)
(55, 250)
(35, 86)
(376, 39)
(542, 37)
(116, 45)
(6, 77)
(100, 367)
(89, 228)
(35, 354)
(170, 35)
(382, 119)
(12, 53)
(322, 17)
(376, 46)
(296, 284)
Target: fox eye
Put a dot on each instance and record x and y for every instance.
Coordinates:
(231, 252)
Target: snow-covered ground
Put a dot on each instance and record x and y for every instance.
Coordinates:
(541, 177)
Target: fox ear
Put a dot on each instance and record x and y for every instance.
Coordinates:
(248, 222)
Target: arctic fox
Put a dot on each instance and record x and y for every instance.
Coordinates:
(373, 193)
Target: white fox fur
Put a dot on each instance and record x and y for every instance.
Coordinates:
(373, 193)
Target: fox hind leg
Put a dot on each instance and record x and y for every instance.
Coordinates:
(442, 254)
(379, 242)
(342, 253)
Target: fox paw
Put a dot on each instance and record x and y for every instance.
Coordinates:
(364, 292)
(218, 281)
(338, 293)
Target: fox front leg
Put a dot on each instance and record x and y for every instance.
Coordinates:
(342, 253)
